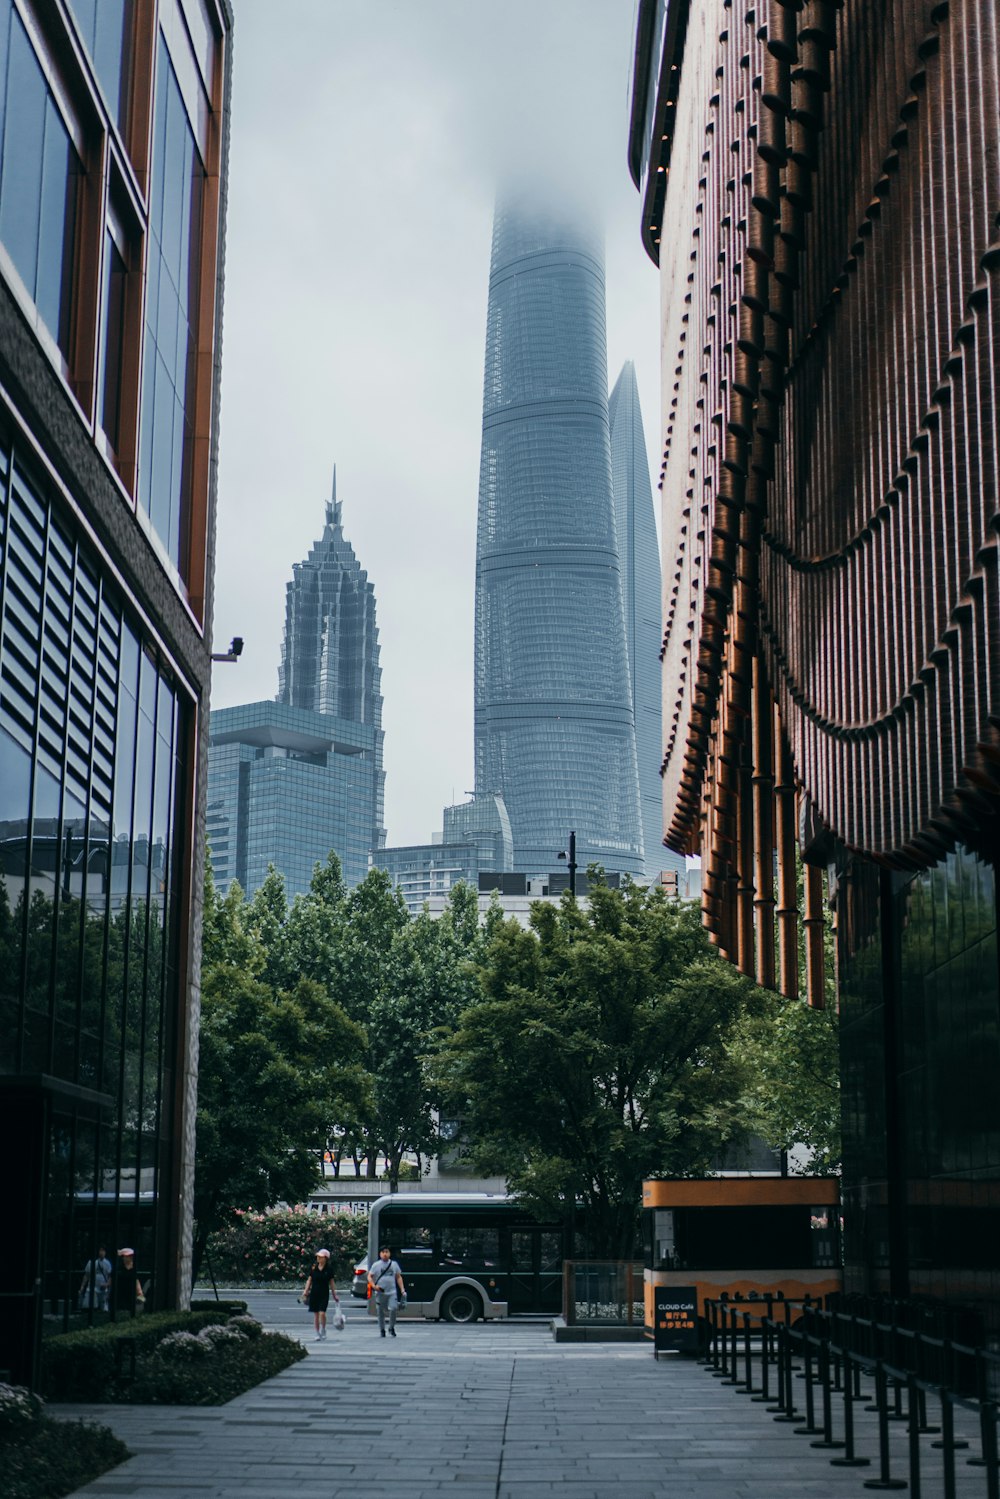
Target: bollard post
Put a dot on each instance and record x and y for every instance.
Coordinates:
(786, 1396)
(765, 1360)
(884, 1480)
(913, 1433)
(721, 1370)
(990, 1452)
(827, 1440)
(734, 1376)
(810, 1428)
(947, 1441)
(708, 1358)
(849, 1460)
(748, 1367)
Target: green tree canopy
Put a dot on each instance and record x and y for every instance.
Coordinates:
(277, 1068)
(600, 1055)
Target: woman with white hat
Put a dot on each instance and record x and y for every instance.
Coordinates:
(317, 1291)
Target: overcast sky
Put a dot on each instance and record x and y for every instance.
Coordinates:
(367, 137)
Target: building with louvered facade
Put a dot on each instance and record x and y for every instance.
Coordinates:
(554, 727)
(819, 189)
(290, 781)
(113, 149)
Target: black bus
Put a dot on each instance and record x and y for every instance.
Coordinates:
(467, 1255)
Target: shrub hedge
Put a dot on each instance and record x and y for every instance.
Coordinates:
(83, 1365)
(44, 1459)
(269, 1247)
(227, 1370)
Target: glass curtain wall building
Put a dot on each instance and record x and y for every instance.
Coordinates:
(291, 780)
(113, 141)
(639, 553)
(554, 729)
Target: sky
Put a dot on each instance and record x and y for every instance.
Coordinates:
(368, 137)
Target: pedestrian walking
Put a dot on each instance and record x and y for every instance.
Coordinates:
(386, 1280)
(126, 1289)
(95, 1282)
(317, 1292)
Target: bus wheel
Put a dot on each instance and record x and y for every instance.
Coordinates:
(461, 1305)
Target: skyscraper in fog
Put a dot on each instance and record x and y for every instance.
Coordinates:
(554, 728)
(638, 551)
(292, 779)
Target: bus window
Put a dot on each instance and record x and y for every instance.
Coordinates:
(471, 1247)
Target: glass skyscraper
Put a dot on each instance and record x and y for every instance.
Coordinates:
(554, 728)
(638, 550)
(293, 779)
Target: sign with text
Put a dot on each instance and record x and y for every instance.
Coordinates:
(675, 1319)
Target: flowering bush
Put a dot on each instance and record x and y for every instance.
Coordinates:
(248, 1326)
(20, 1410)
(216, 1336)
(257, 1248)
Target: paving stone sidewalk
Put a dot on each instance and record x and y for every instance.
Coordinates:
(481, 1412)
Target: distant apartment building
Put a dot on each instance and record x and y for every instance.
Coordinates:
(293, 779)
(113, 147)
(476, 837)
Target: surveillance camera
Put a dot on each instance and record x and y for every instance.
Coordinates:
(236, 648)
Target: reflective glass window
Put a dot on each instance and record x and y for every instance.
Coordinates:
(112, 341)
(167, 426)
(15, 790)
(39, 176)
(106, 28)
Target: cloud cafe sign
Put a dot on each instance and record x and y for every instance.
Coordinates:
(675, 1319)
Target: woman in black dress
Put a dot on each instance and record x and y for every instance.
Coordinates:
(317, 1291)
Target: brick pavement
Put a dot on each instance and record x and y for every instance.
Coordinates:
(481, 1412)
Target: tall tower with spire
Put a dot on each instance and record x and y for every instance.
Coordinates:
(292, 779)
(554, 728)
(330, 651)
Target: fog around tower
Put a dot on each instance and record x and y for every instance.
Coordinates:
(368, 146)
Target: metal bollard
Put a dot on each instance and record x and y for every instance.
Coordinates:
(913, 1433)
(734, 1377)
(990, 1452)
(884, 1480)
(810, 1428)
(947, 1441)
(849, 1460)
(786, 1398)
(765, 1361)
(827, 1440)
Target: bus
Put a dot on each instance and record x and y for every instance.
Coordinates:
(742, 1237)
(466, 1255)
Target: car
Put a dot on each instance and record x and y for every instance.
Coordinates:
(359, 1285)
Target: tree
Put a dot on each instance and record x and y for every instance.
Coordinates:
(793, 1097)
(599, 1056)
(276, 1067)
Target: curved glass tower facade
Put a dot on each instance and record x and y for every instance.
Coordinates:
(554, 726)
(639, 552)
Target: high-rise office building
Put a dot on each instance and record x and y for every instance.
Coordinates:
(476, 838)
(639, 555)
(112, 190)
(291, 780)
(554, 728)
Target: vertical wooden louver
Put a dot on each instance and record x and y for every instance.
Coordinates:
(830, 259)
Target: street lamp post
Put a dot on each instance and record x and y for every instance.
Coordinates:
(571, 864)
